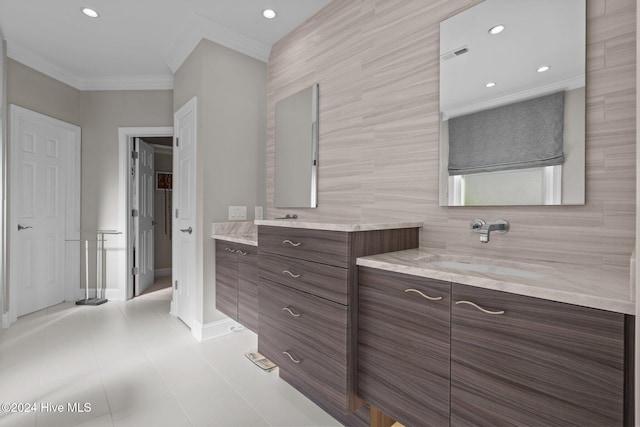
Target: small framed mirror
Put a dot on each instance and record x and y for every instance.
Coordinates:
(512, 104)
(296, 150)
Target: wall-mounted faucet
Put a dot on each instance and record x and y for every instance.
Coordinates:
(480, 226)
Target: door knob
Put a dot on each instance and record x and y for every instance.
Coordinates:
(21, 227)
(187, 230)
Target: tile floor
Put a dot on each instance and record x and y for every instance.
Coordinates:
(136, 365)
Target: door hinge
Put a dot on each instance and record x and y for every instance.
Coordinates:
(134, 212)
(176, 284)
(134, 155)
(176, 213)
(134, 270)
(177, 142)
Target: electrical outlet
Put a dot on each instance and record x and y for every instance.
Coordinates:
(258, 212)
(237, 213)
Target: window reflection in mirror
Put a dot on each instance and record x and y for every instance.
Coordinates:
(536, 33)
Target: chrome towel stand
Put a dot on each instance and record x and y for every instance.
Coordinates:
(100, 270)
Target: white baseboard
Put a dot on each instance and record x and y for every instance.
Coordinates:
(162, 272)
(5, 320)
(213, 330)
(112, 294)
(172, 308)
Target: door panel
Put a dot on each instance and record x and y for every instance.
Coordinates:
(186, 230)
(144, 220)
(37, 199)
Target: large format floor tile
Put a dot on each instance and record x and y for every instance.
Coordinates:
(133, 364)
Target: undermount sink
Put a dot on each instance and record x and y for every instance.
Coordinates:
(491, 266)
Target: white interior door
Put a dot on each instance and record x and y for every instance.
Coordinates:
(40, 151)
(184, 203)
(143, 221)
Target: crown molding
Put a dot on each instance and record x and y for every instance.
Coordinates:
(199, 28)
(30, 59)
(566, 84)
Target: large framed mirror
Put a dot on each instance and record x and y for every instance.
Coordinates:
(512, 104)
(296, 152)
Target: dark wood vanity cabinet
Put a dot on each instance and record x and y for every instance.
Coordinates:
(307, 301)
(237, 282)
(403, 346)
(514, 360)
(517, 360)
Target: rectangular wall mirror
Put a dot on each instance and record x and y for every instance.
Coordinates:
(296, 157)
(512, 104)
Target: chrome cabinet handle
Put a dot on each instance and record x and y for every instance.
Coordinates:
(228, 249)
(295, 276)
(423, 295)
(480, 308)
(22, 227)
(187, 230)
(240, 252)
(294, 360)
(291, 243)
(291, 312)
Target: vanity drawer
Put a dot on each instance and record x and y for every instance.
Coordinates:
(318, 279)
(314, 322)
(325, 247)
(403, 346)
(318, 375)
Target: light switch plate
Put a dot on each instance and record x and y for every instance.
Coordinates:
(259, 213)
(237, 213)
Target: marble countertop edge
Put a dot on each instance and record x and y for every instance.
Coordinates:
(620, 302)
(339, 226)
(245, 239)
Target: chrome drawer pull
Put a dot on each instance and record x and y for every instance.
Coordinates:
(424, 295)
(291, 312)
(290, 357)
(229, 250)
(240, 252)
(480, 308)
(291, 243)
(295, 276)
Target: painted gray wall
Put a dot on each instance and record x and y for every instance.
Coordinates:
(99, 114)
(35, 91)
(231, 92)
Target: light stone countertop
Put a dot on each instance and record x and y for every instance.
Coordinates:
(243, 232)
(568, 283)
(338, 226)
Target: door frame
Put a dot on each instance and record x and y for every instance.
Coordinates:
(72, 203)
(125, 138)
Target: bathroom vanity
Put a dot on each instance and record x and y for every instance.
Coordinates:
(433, 351)
(308, 293)
(237, 272)
(369, 326)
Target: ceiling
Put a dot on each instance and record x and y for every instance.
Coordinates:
(138, 44)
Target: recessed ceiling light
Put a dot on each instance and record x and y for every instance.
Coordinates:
(543, 69)
(496, 29)
(90, 12)
(269, 13)
(490, 84)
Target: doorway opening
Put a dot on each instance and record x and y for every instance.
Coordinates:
(158, 245)
(145, 197)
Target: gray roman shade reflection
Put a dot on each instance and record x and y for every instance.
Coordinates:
(526, 134)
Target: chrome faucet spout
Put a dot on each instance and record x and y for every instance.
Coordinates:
(501, 226)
